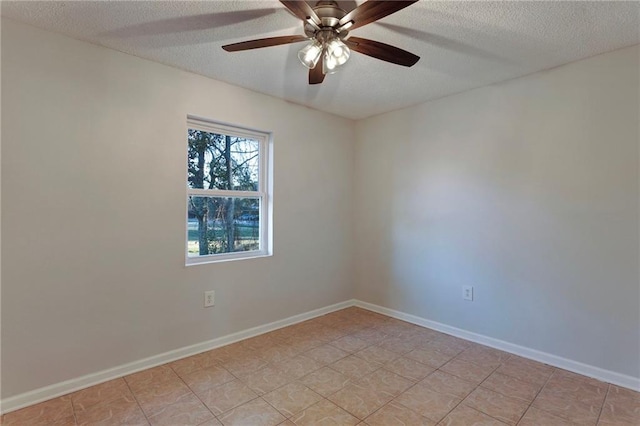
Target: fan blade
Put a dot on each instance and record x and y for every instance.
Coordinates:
(382, 51)
(263, 42)
(302, 10)
(191, 23)
(371, 11)
(446, 43)
(316, 76)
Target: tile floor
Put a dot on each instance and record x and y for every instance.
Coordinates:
(351, 367)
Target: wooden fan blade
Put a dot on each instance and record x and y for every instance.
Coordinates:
(302, 10)
(371, 11)
(263, 42)
(316, 76)
(382, 51)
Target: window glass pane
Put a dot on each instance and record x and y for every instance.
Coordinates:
(218, 161)
(223, 225)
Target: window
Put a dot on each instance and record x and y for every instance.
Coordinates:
(228, 196)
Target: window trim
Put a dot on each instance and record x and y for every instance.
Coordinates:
(264, 192)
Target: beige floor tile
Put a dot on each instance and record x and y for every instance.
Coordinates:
(394, 327)
(349, 343)
(325, 381)
(279, 353)
(120, 412)
(455, 342)
(65, 421)
(398, 344)
(484, 356)
(536, 417)
(283, 334)
(506, 409)
(618, 416)
(212, 422)
(44, 413)
(560, 373)
(467, 371)
(370, 336)
(510, 386)
(395, 414)
(383, 380)
(619, 394)
(359, 360)
(448, 384)
(467, 416)
(409, 368)
(326, 354)
(253, 413)
(304, 343)
(292, 398)
(244, 365)
(377, 354)
(266, 380)
(223, 354)
(329, 334)
(567, 408)
(148, 378)
(192, 363)
(351, 328)
(584, 390)
(201, 380)
(157, 397)
(424, 335)
(526, 370)
(189, 411)
(225, 397)
(297, 366)
(360, 400)
(428, 402)
(332, 320)
(355, 367)
(430, 357)
(324, 413)
(621, 407)
(448, 348)
(100, 394)
(264, 341)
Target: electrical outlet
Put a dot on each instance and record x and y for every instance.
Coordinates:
(209, 298)
(467, 292)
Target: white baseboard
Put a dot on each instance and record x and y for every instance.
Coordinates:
(73, 385)
(608, 376)
(58, 389)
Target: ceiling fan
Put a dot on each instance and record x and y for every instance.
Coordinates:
(326, 28)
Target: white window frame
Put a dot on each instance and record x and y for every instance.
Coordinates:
(264, 192)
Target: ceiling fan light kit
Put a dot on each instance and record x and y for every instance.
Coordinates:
(310, 54)
(326, 28)
(336, 54)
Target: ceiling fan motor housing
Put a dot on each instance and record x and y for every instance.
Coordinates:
(330, 14)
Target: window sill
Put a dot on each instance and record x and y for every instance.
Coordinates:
(193, 261)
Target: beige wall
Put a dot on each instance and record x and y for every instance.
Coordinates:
(527, 190)
(93, 186)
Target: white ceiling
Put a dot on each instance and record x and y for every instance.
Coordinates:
(463, 45)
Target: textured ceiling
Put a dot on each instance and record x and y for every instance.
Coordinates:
(463, 45)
